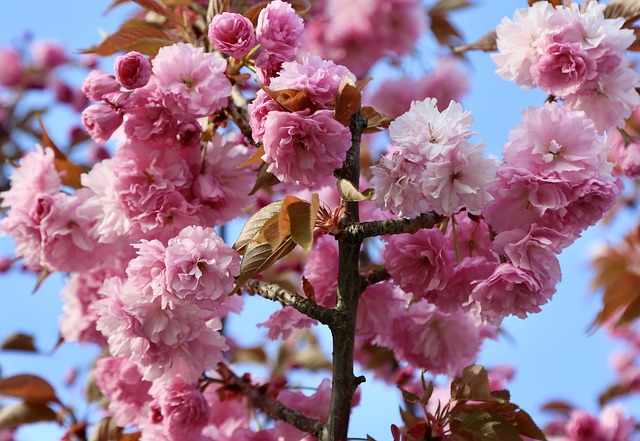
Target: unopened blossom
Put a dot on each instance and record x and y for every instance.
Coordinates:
(132, 70)
(98, 83)
(303, 148)
(192, 82)
(232, 34)
(12, 67)
(318, 78)
(101, 120)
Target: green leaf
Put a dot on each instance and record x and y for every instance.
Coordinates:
(30, 388)
(255, 224)
(19, 414)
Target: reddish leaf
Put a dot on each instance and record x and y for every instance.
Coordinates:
(19, 414)
(308, 290)
(615, 391)
(30, 388)
(265, 179)
(292, 100)
(627, 9)
(444, 6)
(124, 39)
(558, 406)
(258, 257)
(19, 342)
(69, 172)
(553, 2)
(255, 158)
(443, 30)
(472, 385)
(347, 101)
(159, 8)
(255, 224)
(295, 220)
(255, 354)
(254, 12)
(409, 397)
(376, 121)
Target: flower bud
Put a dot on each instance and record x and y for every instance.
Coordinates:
(101, 120)
(132, 70)
(98, 83)
(232, 34)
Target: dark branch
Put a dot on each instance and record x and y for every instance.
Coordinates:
(275, 292)
(356, 232)
(236, 111)
(268, 405)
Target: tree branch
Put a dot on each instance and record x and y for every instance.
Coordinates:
(375, 276)
(268, 405)
(356, 232)
(236, 111)
(275, 292)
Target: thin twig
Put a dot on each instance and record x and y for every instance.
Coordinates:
(356, 232)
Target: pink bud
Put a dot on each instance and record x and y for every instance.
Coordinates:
(101, 120)
(133, 70)
(98, 83)
(48, 54)
(232, 34)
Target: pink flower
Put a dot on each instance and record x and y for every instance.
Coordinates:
(625, 156)
(101, 120)
(458, 179)
(456, 295)
(557, 142)
(192, 82)
(232, 34)
(99, 83)
(321, 270)
(258, 109)
(377, 307)
(122, 384)
(583, 426)
(179, 410)
(48, 54)
(320, 79)
(534, 250)
(200, 267)
(440, 343)
(283, 322)
(564, 68)
(222, 188)
(147, 118)
(12, 67)
(512, 291)
(279, 30)
(419, 263)
(133, 70)
(304, 149)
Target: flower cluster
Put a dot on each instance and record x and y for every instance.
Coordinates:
(433, 166)
(574, 54)
(302, 147)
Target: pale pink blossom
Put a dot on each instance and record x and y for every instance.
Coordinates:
(321, 270)
(458, 179)
(200, 267)
(625, 155)
(563, 68)
(192, 82)
(132, 70)
(121, 383)
(319, 78)
(284, 321)
(304, 149)
(232, 34)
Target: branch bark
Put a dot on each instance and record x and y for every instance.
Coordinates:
(268, 405)
(344, 382)
(275, 292)
(357, 232)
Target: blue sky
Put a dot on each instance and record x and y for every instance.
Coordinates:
(554, 356)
